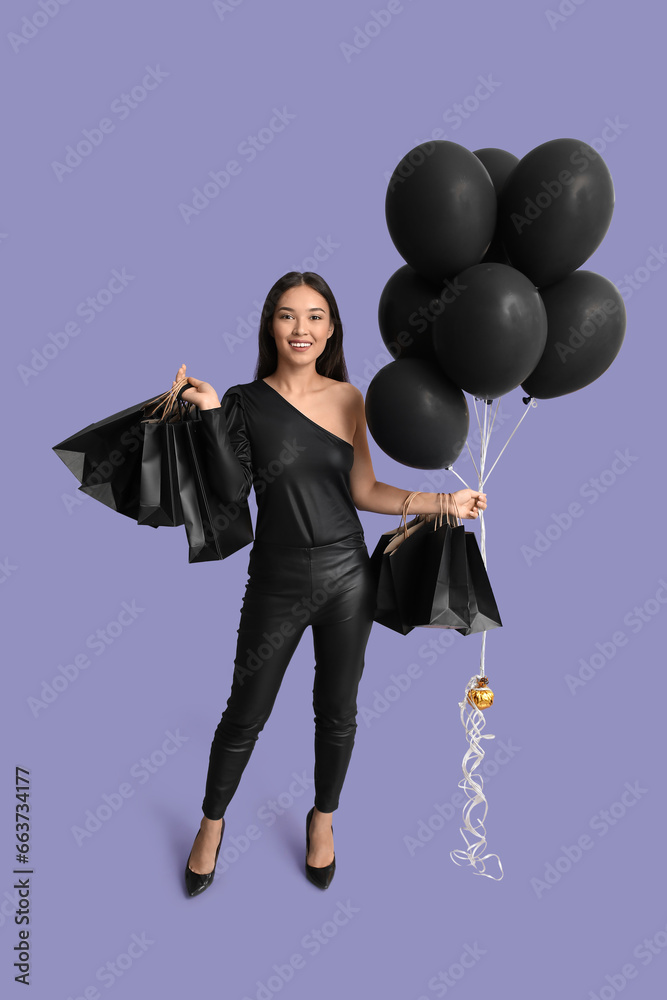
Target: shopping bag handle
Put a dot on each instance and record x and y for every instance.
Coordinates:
(404, 515)
(171, 402)
(439, 517)
(457, 517)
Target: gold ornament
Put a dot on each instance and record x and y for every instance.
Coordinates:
(482, 695)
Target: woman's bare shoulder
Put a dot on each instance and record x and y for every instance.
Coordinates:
(344, 394)
(351, 402)
(345, 388)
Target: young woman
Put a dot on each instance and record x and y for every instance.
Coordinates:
(297, 433)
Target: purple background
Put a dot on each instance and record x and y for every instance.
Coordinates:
(69, 563)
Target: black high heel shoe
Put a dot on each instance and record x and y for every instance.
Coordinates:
(321, 877)
(194, 882)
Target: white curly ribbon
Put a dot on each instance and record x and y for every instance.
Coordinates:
(472, 718)
(473, 785)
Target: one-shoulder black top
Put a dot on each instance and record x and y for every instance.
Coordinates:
(300, 471)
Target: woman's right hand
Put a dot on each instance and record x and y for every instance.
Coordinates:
(202, 394)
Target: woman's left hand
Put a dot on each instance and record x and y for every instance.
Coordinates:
(468, 502)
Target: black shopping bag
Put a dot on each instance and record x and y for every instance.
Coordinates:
(105, 457)
(159, 497)
(484, 613)
(214, 529)
(388, 610)
(433, 577)
(147, 462)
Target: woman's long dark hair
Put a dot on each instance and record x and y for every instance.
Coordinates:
(331, 362)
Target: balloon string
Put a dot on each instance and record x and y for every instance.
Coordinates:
(483, 552)
(473, 786)
(483, 448)
(529, 406)
(474, 722)
(472, 459)
(485, 436)
(451, 468)
(484, 445)
(494, 415)
(481, 478)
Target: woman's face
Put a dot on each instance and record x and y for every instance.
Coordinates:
(301, 317)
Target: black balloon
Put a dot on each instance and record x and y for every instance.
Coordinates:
(555, 209)
(491, 331)
(499, 164)
(586, 320)
(440, 209)
(405, 314)
(416, 415)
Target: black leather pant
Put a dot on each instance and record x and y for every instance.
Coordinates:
(330, 588)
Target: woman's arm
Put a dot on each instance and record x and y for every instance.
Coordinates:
(227, 452)
(227, 448)
(381, 498)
